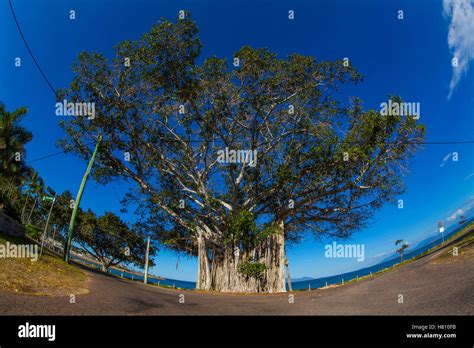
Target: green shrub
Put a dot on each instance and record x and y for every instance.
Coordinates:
(252, 269)
(34, 232)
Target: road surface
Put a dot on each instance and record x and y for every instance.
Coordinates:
(427, 288)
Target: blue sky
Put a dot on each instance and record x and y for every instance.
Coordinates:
(409, 57)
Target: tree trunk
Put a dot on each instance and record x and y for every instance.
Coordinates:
(275, 262)
(288, 274)
(11, 190)
(31, 212)
(220, 272)
(24, 208)
(204, 274)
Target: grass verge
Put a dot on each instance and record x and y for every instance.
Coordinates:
(48, 276)
(463, 249)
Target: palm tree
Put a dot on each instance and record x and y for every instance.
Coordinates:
(29, 180)
(402, 248)
(13, 138)
(38, 188)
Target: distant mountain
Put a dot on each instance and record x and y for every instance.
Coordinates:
(302, 279)
(430, 241)
(418, 245)
(389, 258)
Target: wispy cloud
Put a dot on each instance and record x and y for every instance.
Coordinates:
(455, 215)
(460, 36)
(469, 176)
(466, 207)
(445, 159)
(381, 255)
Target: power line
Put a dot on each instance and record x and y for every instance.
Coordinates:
(352, 143)
(44, 157)
(187, 141)
(29, 50)
(447, 142)
(115, 192)
(349, 142)
(53, 154)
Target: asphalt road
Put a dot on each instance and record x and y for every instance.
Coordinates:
(428, 289)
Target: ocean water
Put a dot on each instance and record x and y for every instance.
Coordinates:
(337, 279)
(301, 285)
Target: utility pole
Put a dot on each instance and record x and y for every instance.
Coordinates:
(288, 273)
(67, 244)
(47, 198)
(145, 279)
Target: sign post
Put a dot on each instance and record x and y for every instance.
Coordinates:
(50, 199)
(145, 278)
(441, 228)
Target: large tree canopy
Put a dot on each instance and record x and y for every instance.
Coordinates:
(111, 240)
(321, 166)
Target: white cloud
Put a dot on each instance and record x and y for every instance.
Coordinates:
(469, 176)
(460, 36)
(380, 255)
(456, 214)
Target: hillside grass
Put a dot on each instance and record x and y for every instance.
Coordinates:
(48, 276)
(465, 250)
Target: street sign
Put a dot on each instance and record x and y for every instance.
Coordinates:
(441, 228)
